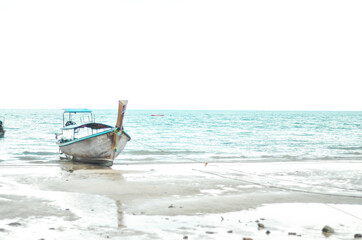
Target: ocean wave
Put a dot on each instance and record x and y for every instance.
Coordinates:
(353, 153)
(346, 148)
(339, 157)
(130, 159)
(162, 152)
(284, 157)
(27, 158)
(39, 153)
(228, 157)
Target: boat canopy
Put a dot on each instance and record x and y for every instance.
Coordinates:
(77, 115)
(76, 110)
(88, 125)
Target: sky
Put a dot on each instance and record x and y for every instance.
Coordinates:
(181, 54)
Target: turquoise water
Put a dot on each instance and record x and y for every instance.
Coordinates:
(197, 136)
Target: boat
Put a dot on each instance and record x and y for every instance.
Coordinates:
(157, 115)
(88, 141)
(2, 124)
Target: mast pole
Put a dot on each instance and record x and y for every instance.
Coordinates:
(122, 104)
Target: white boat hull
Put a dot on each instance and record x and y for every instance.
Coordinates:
(98, 148)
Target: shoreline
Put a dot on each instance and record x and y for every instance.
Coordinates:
(174, 201)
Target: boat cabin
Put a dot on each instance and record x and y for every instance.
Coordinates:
(79, 123)
(73, 116)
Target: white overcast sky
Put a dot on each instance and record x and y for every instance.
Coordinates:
(181, 54)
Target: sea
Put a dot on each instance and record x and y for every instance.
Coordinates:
(196, 136)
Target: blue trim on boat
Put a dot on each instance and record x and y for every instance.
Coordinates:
(127, 135)
(85, 125)
(76, 110)
(84, 138)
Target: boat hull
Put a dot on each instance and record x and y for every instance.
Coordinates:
(98, 148)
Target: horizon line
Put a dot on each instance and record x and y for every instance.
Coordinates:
(140, 109)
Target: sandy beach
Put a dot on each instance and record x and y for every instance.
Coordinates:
(180, 201)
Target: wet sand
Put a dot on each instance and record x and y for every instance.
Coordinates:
(181, 201)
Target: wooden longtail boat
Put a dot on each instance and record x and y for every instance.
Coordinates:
(92, 142)
(2, 130)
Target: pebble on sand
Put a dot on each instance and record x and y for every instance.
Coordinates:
(327, 230)
(294, 234)
(14, 224)
(261, 226)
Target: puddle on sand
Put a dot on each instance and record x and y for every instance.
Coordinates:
(63, 216)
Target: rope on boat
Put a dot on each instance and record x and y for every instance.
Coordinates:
(269, 185)
(158, 149)
(293, 181)
(275, 186)
(258, 175)
(350, 214)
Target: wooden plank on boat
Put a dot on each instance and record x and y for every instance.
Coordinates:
(121, 111)
(122, 104)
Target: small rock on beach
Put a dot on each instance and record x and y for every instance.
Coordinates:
(14, 224)
(261, 226)
(357, 236)
(327, 231)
